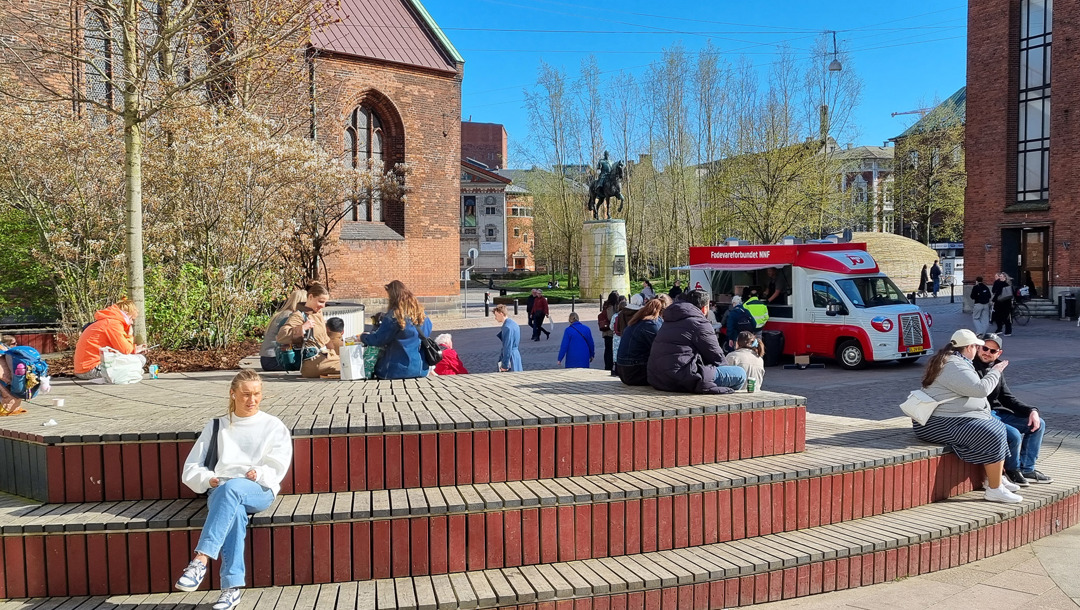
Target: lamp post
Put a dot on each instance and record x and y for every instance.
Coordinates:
(834, 65)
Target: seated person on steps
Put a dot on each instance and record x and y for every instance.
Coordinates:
(1023, 425)
(686, 356)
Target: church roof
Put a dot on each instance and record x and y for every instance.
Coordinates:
(397, 31)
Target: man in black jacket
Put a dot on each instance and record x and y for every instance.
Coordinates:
(980, 309)
(686, 356)
(1022, 422)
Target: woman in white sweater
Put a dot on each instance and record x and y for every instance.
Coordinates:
(253, 453)
(963, 420)
(748, 355)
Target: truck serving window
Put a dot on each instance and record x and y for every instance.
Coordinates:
(865, 292)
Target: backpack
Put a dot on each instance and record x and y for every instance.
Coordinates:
(29, 373)
(744, 320)
(603, 321)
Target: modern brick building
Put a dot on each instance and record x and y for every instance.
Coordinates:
(484, 142)
(1022, 206)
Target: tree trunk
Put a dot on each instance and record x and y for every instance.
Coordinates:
(133, 168)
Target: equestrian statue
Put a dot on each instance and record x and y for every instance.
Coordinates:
(606, 186)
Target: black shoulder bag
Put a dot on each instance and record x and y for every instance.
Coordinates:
(429, 350)
(210, 462)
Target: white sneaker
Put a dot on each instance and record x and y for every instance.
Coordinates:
(1005, 482)
(1003, 495)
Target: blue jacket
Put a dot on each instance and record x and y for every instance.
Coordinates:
(577, 347)
(510, 335)
(637, 342)
(734, 315)
(401, 358)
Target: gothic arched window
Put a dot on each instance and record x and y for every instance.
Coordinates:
(364, 149)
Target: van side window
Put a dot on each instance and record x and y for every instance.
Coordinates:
(824, 294)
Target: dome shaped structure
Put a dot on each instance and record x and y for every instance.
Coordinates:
(897, 256)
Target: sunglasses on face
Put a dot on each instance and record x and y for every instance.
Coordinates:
(989, 350)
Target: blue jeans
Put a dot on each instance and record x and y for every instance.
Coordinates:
(1024, 444)
(733, 377)
(937, 285)
(226, 525)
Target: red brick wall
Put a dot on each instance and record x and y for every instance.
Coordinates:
(993, 66)
(524, 224)
(429, 106)
(42, 24)
(484, 142)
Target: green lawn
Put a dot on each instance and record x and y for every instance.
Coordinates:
(525, 285)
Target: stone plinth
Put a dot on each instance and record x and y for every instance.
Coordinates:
(604, 265)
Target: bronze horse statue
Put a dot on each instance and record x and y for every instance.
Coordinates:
(599, 194)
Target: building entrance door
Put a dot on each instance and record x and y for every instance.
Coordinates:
(1034, 267)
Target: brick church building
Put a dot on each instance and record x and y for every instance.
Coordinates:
(396, 98)
(382, 86)
(1022, 206)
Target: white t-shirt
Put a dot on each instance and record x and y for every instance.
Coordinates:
(260, 442)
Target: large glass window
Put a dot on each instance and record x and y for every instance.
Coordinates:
(866, 292)
(1033, 126)
(101, 50)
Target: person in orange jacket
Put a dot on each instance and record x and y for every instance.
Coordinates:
(111, 328)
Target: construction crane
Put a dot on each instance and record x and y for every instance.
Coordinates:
(920, 111)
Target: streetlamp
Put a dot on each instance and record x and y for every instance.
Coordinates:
(834, 65)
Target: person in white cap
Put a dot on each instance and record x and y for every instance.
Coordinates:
(963, 420)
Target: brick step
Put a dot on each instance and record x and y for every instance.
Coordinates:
(766, 568)
(312, 538)
(422, 448)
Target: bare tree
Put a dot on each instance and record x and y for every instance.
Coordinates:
(557, 195)
(131, 59)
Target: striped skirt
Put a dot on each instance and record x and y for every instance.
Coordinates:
(975, 441)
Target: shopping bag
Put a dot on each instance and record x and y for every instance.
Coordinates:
(117, 368)
(352, 362)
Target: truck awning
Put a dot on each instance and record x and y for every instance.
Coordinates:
(731, 266)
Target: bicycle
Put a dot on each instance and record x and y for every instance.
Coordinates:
(1020, 313)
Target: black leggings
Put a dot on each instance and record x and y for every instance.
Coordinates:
(1003, 315)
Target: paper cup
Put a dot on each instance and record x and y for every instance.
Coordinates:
(751, 385)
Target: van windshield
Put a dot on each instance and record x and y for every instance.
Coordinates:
(865, 292)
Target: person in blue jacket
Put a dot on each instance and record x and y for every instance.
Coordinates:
(577, 346)
(399, 335)
(510, 335)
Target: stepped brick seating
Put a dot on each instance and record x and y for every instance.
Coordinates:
(391, 435)
(719, 501)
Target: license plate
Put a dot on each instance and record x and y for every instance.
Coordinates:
(918, 349)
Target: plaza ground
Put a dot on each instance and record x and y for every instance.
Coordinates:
(1044, 370)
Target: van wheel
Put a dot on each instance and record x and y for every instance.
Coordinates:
(850, 355)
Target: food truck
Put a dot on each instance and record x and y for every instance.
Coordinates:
(836, 302)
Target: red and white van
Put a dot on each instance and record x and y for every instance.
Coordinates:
(838, 303)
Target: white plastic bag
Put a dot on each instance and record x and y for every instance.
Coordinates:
(352, 362)
(117, 368)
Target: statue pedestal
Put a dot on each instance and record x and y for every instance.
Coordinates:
(604, 265)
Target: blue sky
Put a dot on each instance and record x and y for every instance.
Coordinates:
(908, 54)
